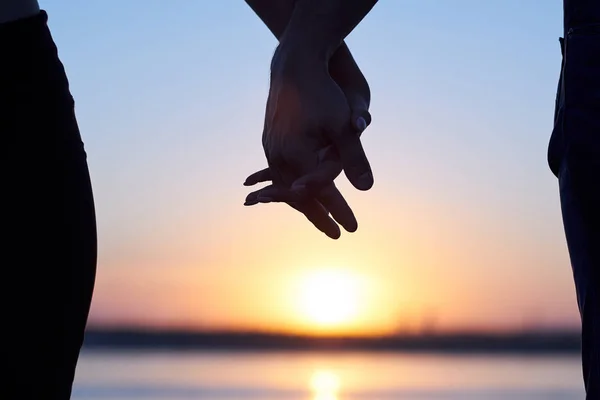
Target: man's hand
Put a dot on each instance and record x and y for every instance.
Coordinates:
(311, 132)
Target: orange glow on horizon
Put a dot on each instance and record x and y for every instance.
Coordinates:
(436, 275)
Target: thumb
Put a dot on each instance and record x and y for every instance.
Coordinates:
(349, 147)
(352, 155)
(359, 108)
(361, 119)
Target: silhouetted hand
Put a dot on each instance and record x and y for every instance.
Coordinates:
(312, 131)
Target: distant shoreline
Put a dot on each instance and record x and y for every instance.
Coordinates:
(520, 342)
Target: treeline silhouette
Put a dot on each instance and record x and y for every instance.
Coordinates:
(519, 342)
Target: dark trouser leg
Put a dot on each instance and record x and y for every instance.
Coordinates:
(48, 221)
(574, 155)
(580, 198)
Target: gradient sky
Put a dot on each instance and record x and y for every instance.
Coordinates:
(462, 228)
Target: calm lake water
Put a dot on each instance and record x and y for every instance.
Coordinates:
(308, 376)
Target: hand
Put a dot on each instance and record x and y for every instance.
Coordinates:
(312, 129)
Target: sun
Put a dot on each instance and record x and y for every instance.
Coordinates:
(330, 298)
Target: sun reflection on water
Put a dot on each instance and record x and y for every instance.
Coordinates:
(325, 385)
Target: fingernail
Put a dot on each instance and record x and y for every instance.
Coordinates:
(361, 124)
(250, 202)
(365, 181)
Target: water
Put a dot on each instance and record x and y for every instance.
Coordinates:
(316, 376)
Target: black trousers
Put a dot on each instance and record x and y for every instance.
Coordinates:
(48, 223)
(574, 157)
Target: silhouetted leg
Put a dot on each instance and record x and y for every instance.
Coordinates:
(574, 156)
(580, 198)
(48, 245)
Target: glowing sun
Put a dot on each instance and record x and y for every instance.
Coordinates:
(330, 297)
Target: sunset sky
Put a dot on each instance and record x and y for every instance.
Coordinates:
(461, 230)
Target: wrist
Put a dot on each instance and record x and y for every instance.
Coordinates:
(299, 48)
(310, 41)
(293, 57)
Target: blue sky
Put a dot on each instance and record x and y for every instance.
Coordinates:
(170, 99)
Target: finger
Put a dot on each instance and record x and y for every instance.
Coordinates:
(252, 197)
(308, 185)
(311, 208)
(324, 175)
(274, 194)
(263, 175)
(331, 198)
(353, 157)
(319, 217)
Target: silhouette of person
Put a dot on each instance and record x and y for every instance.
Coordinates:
(574, 157)
(307, 144)
(48, 216)
(316, 110)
